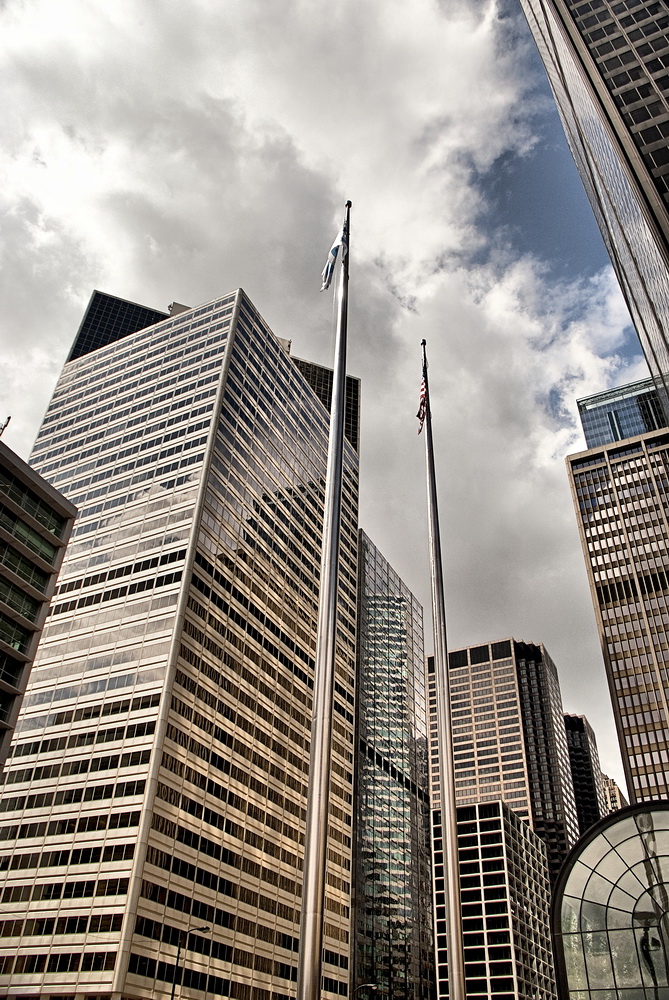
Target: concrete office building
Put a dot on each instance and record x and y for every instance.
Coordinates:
(509, 740)
(505, 891)
(35, 524)
(607, 63)
(613, 797)
(620, 494)
(585, 771)
(393, 946)
(152, 818)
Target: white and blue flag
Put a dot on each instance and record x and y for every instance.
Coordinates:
(341, 241)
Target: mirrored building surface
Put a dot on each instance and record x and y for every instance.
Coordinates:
(611, 909)
(620, 413)
(392, 873)
(607, 62)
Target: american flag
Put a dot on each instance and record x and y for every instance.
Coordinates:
(422, 406)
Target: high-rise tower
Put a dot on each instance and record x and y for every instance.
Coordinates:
(621, 496)
(585, 771)
(509, 740)
(607, 64)
(153, 812)
(392, 876)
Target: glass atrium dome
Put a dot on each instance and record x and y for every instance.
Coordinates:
(611, 909)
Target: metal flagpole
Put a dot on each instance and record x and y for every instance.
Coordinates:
(316, 833)
(455, 949)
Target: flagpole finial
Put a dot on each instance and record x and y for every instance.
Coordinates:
(423, 343)
(349, 204)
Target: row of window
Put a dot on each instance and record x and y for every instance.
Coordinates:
(181, 801)
(83, 739)
(214, 849)
(57, 859)
(142, 477)
(97, 923)
(67, 825)
(205, 983)
(92, 764)
(27, 535)
(90, 961)
(102, 596)
(109, 441)
(110, 463)
(25, 568)
(238, 774)
(131, 569)
(13, 488)
(103, 709)
(237, 695)
(139, 463)
(65, 890)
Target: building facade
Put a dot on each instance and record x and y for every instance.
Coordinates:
(620, 413)
(585, 771)
(509, 740)
(152, 818)
(621, 494)
(505, 891)
(607, 63)
(613, 797)
(393, 946)
(35, 525)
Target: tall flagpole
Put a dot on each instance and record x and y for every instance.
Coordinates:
(316, 833)
(455, 949)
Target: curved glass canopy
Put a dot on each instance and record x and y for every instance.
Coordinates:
(611, 909)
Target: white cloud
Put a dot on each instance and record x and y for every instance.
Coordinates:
(164, 152)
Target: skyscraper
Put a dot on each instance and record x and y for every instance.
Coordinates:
(585, 771)
(509, 740)
(621, 498)
(35, 524)
(153, 812)
(516, 814)
(393, 947)
(613, 797)
(607, 65)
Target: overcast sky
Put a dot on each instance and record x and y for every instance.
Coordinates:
(176, 151)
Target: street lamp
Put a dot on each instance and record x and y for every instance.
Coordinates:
(182, 936)
(365, 986)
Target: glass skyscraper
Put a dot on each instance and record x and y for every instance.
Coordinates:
(152, 818)
(620, 413)
(607, 64)
(392, 876)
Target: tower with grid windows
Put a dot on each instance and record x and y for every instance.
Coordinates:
(620, 491)
(152, 817)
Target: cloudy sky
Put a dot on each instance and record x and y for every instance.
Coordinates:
(175, 151)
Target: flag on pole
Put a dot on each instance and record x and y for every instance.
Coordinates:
(422, 406)
(328, 271)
